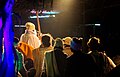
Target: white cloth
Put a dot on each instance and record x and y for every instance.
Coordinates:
(30, 38)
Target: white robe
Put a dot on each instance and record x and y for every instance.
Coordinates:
(30, 38)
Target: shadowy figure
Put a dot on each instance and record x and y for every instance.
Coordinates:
(103, 63)
(66, 42)
(56, 60)
(19, 59)
(29, 65)
(79, 64)
(39, 54)
(115, 72)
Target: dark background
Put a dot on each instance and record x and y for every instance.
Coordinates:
(76, 18)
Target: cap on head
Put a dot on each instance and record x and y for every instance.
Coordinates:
(30, 26)
(67, 40)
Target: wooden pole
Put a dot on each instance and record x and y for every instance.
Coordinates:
(38, 21)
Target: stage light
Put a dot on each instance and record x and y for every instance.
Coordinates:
(42, 16)
(97, 24)
(51, 12)
(92, 24)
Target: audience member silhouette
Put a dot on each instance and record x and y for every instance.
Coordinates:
(79, 64)
(116, 58)
(103, 63)
(115, 72)
(39, 54)
(56, 60)
(19, 59)
(29, 65)
(66, 42)
(25, 67)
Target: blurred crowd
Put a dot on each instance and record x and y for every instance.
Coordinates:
(45, 56)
